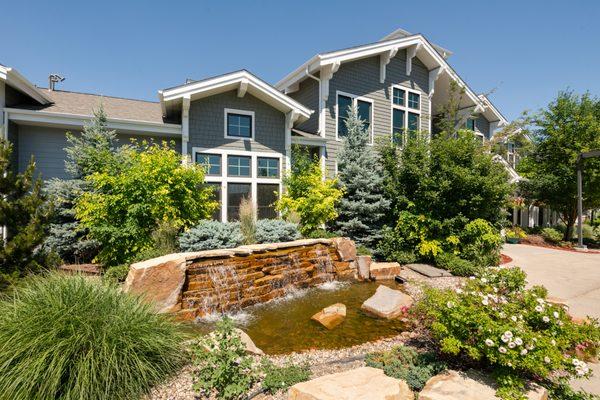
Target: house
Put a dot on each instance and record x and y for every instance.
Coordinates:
(243, 128)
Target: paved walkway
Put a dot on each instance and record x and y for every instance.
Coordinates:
(572, 276)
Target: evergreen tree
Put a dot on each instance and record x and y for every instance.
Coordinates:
(363, 207)
(24, 214)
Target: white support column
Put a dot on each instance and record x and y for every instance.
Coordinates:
(327, 72)
(384, 60)
(411, 52)
(185, 127)
(223, 198)
(290, 119)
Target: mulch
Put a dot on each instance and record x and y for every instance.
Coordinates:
(504, 259)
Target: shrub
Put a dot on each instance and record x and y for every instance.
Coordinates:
(276, 230)
(551, 235)
(480, 243)
(208, 235)
(222, 364)
(68, 337)
(393, 248)
(456, 265)
(308, 194)
(117, 273)
(493, 320)
(280, 378)
(321, 234)
(406, 363)
(125, 206)
(247, 221)
(516, 232)
(363, 250)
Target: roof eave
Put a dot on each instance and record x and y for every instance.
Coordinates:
(12, 77)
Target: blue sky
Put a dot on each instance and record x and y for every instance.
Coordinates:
(526, 51)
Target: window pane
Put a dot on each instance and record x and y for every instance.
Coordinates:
(216, 187)
(344, 106)
(268, 167)
(398, 96)
(364, 113)
(413, 122)
(267, 197)
(398, 126)
(210, 162)
(470, 124)
(239, 125)
(414, 100)
(238, 166)
(235, 193)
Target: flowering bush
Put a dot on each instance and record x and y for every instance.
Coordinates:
(495, 321)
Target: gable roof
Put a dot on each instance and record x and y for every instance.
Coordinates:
(400, 33)
(244, 82)
(13, 78)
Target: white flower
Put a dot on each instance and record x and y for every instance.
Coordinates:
(502, 350)
(523, 352)
(485, 301)
(555, 313)
(512, 345)
(489, 342)
(505, 339)
(553, 342)
(576, 362)
(471, 277)
(502, 314)
(458, 290)
(540, 300)
(539, 308)
(518, 341)
(450, 304)
(509, 364)
(483, 280)
(545, 318)
(560, 323)
(508, 334)
(514, 318)
(547, 360)
(529, 347)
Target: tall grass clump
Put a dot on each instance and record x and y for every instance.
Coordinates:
(67, 337)
(248, 221)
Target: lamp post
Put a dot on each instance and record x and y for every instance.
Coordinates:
(580, 158)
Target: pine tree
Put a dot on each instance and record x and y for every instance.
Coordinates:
(363, 207)
(24, 214)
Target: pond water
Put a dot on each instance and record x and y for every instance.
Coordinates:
(284, 325)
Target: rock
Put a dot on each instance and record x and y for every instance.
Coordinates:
(346, 249)
(453, 385)
(158, 280)
(364, 383)
(363, 267)
(429, 270)
(247, 341)
(384, 270)
(331, 316)
(387, 303)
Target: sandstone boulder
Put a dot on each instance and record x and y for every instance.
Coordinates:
(453, 385)
(387, 303)
(331, 316)
(247, 341)
(346, 248)
(158, 280)
(363, 267)
(364, 383)
(384, 270)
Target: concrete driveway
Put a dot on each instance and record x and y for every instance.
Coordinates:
(572, 276)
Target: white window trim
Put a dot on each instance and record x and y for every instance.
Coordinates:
(271, 178)
(241, 112)
(354, 98)
(404, 108)
(206, 175)
(253, 179)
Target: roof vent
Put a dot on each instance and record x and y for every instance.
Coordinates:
(53, 79)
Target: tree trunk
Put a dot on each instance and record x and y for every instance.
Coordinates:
(570, 219)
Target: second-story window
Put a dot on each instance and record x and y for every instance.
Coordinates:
(238, 166)
(364, 109)
(239, 124)
(268, 167)
(414, 100)
(470, 124)
(406, 114)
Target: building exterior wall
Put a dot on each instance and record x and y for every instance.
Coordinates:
(47, 146)
(361, 78)
(482, 126)
(308, 95)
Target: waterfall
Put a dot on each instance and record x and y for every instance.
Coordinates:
(226, 289)
(324, 263)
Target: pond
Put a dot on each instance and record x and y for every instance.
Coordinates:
(284, 325)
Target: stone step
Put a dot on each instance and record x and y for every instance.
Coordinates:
(429, 270)
(384, 270)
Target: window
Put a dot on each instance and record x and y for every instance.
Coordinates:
(364, 108)
(239, 124)
(398, 126)
(399, 96)
(235, 193)
(216, 187)
(210, 162)
(414, 100)
(268, 167)
(470, 124)
(344, 106)
(238, 166)
(266, 197)
(406, 114)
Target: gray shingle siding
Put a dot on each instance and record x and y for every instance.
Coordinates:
(207, 126)
(482, 125)
(308, 95)
(361, 78)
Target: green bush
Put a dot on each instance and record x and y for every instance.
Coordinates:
(69, 337)
(321, 234)
(363, 250)
(480, 243)
(456, 265)
(493, 320)
(280, 378)
(221, 363)
(208, 235)
(116, 274)
(406, 363)
(551, 235)
(276, 230)
(516, 232)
